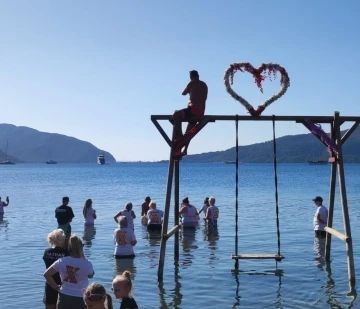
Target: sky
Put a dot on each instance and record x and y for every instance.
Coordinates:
(97, 70)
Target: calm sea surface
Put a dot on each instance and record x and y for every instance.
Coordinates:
(204, 276)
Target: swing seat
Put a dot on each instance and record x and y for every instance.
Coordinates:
(257, 256)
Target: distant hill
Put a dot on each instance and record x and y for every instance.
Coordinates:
(290, 149)
(30, 145)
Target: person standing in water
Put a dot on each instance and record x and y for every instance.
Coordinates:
(188, 213)
(56, 240)
(89, 213)
(64, 215)
(154, 218)
(2, 205)
(128, 213)
(145, 206)
(212, 214)
(205, 207)
(320, 217)
(198, 91)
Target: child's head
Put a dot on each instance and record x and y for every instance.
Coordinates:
(123, 221)
(122, 285)
(95, 296)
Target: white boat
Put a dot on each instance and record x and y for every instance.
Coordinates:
(101, 159)
(6, 162)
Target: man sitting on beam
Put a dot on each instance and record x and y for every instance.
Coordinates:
(198, 92)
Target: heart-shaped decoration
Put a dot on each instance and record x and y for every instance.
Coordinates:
(259, 74)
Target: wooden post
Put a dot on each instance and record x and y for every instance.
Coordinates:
(345, 210)
(332, 192)
(176, 208)
(166, 213)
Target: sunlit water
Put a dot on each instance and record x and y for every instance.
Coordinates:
(204, 276)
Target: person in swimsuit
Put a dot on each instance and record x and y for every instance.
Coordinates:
(198, 92)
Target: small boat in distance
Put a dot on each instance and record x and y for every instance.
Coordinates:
(51, 162)
(101, 159)
(231, 162)
(318, 162)
(6, 161)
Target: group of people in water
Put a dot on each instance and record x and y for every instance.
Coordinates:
(68, 271)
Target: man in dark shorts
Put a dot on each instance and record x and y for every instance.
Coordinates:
(198, 92)
(64, 215)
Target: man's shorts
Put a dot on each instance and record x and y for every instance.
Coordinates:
(192, 111)
(65, 227)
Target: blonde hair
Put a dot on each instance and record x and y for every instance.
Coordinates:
(211, 200)
(125, 277)
(56, 238)
(152, 205)
(123, 221)
(87, 205)
(96, 291)
(76, 247)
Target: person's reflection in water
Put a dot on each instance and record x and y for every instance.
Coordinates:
(4, 226)
(89, 235)
(188, 242)
(124, 264)
(319, 247)
(153, 238)
(212, 236)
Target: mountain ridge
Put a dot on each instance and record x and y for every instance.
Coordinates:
(30, 145)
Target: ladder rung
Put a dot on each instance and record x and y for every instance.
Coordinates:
(257, 257)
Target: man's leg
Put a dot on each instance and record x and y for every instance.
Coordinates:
(188, 128)
(178, 117)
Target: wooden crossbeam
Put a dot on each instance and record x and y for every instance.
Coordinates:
(172, 231)
(258, 257)
(336, 233)
(162, 132)
(349, 132)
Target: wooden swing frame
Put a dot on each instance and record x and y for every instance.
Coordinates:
(337, 167)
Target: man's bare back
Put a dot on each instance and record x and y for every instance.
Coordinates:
(198, 92)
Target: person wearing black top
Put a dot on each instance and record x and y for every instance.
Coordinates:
(64, 215)
(121, 286)
(56, 240)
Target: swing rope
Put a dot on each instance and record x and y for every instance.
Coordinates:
(276, 187)
(236, 189)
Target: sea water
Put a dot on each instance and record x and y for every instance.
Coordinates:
(204, 276)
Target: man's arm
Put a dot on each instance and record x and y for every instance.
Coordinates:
(320, 220)
(186, 90)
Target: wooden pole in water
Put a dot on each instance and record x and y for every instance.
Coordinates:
(166, 213)
(344, 203)
(331, 192)
(176, 208)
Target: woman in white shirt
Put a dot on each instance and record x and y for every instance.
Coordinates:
(89, 213)
(188, 214)
(124, 239)
(128, 213)
(75, 271)
(154, 217)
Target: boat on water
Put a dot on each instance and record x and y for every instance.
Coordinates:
(6, 161)
(51, 162)
(231, 162)
(318, 162)
(101, 159)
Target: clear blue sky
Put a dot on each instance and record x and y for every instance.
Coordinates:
(97, 70)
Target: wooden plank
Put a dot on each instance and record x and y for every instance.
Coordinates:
(349, 132)
(166, 214)
(172, 231)
(331, 196)
(336, 233)
(257, 257)
(176, 208)
(162, 132)
(317, 119)
(344, 203)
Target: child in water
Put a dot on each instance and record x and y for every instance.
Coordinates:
(121, 287)
(95, 296)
